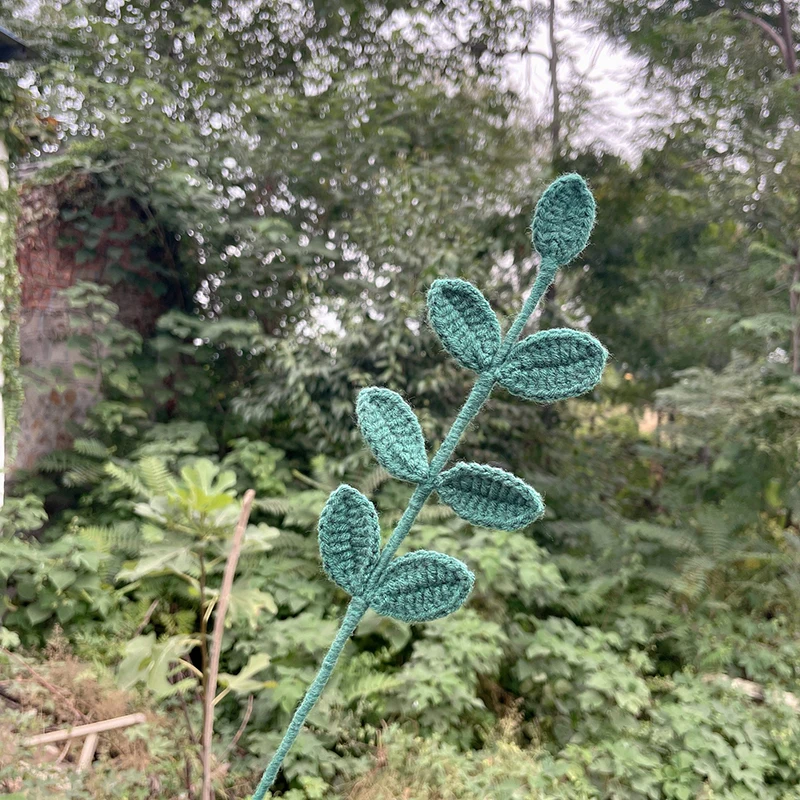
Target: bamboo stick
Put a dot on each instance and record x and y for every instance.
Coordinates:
(85, 730)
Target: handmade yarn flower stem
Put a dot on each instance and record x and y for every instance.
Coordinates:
(570, 361)
(479, 394)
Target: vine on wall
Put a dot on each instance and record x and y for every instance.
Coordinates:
(9, 299)
(16, 117)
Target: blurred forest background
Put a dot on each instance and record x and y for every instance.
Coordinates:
(306, 170)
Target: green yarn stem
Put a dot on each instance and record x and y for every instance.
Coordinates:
(358, 606)
(545, 276)
(355, 611)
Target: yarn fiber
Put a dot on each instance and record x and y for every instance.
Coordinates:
(553, 365)
(393, 433)
(349, 538)
(465, 322)
(548, 366)
(564, 219)
(422, 586)
(490, 497)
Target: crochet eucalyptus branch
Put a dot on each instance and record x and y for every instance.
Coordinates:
(545, 367)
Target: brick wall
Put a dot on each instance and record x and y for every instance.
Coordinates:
(51, 255)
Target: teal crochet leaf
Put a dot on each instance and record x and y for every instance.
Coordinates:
(422, 586)
(465, 322)
(392, 433)
(563, 220)
(490, 497)
(349, 538)
(553, 365)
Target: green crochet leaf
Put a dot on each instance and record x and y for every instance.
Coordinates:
(553, 365)
(392, 433)
(349, 538)
(563, 220)
(465, 322)
(490, 497)
(422, 586)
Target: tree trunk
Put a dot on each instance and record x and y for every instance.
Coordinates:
(786, 31)
(4, 267)
(794, 303)
(555, 123)
(794, 296)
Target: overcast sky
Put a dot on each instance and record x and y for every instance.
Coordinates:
(613, 74)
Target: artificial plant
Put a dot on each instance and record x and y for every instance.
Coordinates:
(545, 367)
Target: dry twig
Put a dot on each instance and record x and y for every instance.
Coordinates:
(216, 644)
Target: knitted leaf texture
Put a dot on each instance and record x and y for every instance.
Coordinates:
(548, 366)
(422, 586)
(349, 539)
(490, 497)
(553, 365)
(393, 433)
(563, 220)
(464, 322)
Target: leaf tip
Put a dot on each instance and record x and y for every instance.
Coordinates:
(393, 433)
(464, 322)
(564, 218)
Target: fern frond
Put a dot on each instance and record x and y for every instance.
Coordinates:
(93, 448)
(155, 475)
(59, 461)
(276, 506)
(83, 474)
(433, 513)
(127, 479)
(373, 481)
(716, 530)
(371, 684)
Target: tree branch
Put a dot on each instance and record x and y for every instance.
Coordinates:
(147, 616)
(767, 29)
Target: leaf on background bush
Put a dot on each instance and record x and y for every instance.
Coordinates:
(9, 639)
(422, 586)
(464, 322)
(160, 560)
(349, 538)
(62, 578)
(153, 663)
(553, 365)
(243, 682)
(393, 433)
(247, 604)
(489, 496)
(564, 219)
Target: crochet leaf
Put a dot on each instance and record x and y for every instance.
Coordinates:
(422, 586)
(563, 220)
(553, 365)
(349, 538)
(464, 322)
(490, 497)
(392, 433)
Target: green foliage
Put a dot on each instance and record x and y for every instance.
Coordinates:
(428, 768)
(10, 382)
(307, 173)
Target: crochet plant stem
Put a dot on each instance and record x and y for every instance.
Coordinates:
(547, 366)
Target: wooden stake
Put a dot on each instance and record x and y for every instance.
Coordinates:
(87, 754)
(216, 644)
(85, 730)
